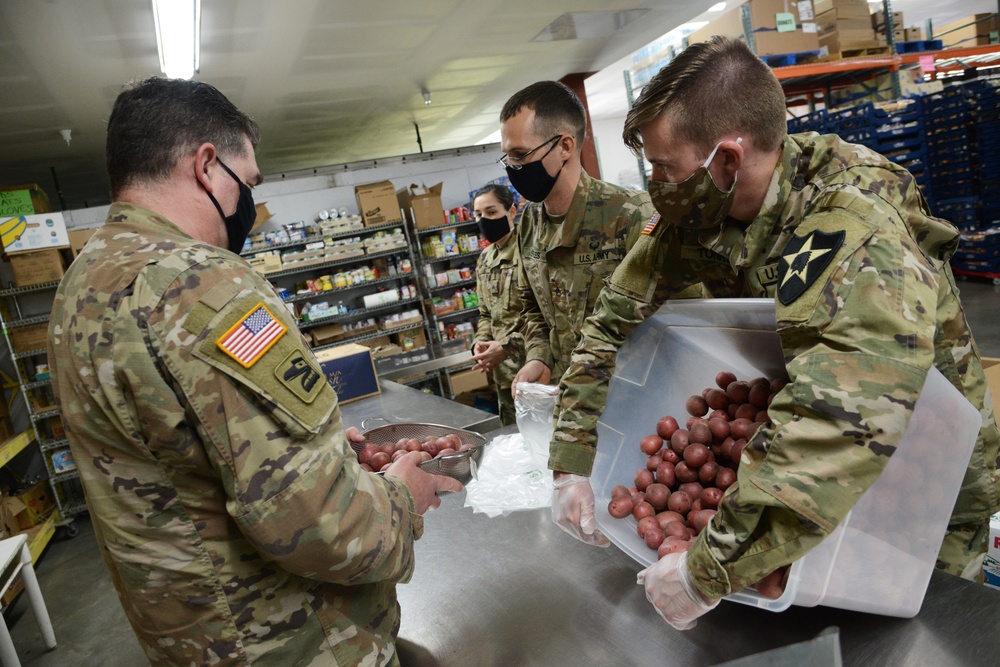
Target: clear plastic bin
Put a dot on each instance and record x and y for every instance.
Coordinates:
(880, 558)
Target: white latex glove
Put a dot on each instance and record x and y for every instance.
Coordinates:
(670, 588)
(573, 509)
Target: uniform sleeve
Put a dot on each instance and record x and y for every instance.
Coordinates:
(272, 430)
(532, 325)
(484, 328)
(858, 343)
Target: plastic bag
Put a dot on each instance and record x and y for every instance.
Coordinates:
(514, 474)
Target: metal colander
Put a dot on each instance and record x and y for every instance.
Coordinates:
(460, 465)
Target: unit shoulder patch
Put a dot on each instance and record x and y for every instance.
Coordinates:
(804, 260)
(254, 333)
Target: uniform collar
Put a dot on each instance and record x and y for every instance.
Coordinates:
(742, 243)
(568, 233)
(133, 214)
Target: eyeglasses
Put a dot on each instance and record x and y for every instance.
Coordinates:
(518, 162)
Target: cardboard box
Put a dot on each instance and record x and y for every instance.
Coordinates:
(425, 209)
(33, 232)
(38, 503)
(263, 215)
(78, 238)
(350, 370)
(35, 268)
(878, 20)
(992, 368)
(767, 40)
(378, 204)
(845, 8)
(266, 263)
(23, 200)
(470, 380)
(413, 339)
(971, 31)
(912, 34)
(13, 515)
(326, 334)
(31, 337)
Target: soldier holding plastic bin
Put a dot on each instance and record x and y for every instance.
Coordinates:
(235, 520)
(843, 241)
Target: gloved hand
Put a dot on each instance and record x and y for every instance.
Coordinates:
(670, 588)
(573, 509)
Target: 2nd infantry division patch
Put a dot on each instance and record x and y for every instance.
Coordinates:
(252, 335)
(804, 260)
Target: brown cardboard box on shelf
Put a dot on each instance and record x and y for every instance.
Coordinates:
(38, 503)
(971, 31)
(27, 233)
(13, 515)
(413, 339)
(913, 35)
(378, 203)
(840, 34)
(468, 380)
(857, 9)
(350, 370)
(78, 238)
(31, 337)
(425, 208)
(326, 334)
(878, 20)
(37, 267)
(23, 200)
(767, 39)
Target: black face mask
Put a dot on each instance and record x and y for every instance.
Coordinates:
(532, 181)
(239, 224)
(494, 229)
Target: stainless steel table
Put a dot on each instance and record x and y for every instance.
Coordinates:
(399, 403)
(516, 591)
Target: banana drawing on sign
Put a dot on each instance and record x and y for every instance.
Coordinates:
(11, 230)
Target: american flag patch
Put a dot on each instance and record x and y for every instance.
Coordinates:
(651, 225)
(252, 336)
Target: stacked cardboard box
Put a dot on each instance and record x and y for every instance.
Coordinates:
(973, 30)
(844, 25)
(769, 38)
(900, 33)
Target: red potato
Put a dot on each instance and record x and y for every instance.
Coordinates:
(619, 491)
(398, 454)
(717, 399)
(387, 448)
(725, 479)
(668, 517)
(718, 414)
(773, 585)
(758, 395)
(761, 417)
(645, 524)
(672, 546)
(666, 427)
(693, 489)
(724, 379)
(696, 455)
(456, 441)
(737, 454)
(700, 433)
(719, 428)
(401, 444)
(431, 448)
(710, 498)
(740, 428)
(637, 497)
(446, 452)
(620, 507)
(665, 474)
(707, 472)
(747, 411)
(731, 410)
(657, 495)
(654, 538)
(368, 450)
(696, 406)
(675, 528)
(642, 511)
(698, 520)
(653, 462)
(413, 445)
(685, 473)
(679, 502)
(651, 444)
(738, 392)
(670, 456)
(679, 440)
(777, 384)
(727, 447)
(365, 466)
(643, 478)
(695, 506)
(379, 459)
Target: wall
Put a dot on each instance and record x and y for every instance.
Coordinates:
(618, 165)
(300, 196)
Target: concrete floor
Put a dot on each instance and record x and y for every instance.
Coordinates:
(90, 625)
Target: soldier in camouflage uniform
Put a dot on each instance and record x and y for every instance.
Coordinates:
(235, 521)
(575, 234)
(843, 241)
(498, 348)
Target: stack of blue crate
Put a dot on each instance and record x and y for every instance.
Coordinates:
(898, 133)
(817, 121)
(853, 125)
(988, 138)
(949, 121)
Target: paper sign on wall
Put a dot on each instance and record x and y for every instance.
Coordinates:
(808, 27)
(784, 21)
(805, 10)
(16, 202)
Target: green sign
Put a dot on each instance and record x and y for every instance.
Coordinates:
(16, 203)
(785, 21)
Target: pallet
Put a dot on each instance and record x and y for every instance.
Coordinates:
(919, 45)
(866, 52)
(786, 59)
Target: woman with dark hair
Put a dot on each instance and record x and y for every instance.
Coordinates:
(498, 347)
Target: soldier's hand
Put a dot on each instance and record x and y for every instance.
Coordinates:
(573, 509)
(669, 587)
(488, 355)
(423, 486)
(354, 435)
(533, 371)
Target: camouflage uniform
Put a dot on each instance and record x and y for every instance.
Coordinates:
(565, 262)
(499, 309)
(236, 524)
(865, 302)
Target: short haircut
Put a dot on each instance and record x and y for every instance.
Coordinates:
(557, 110)
(156, 122)
(501, 192)
(711, 89)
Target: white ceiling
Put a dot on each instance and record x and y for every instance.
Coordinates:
(328, 81)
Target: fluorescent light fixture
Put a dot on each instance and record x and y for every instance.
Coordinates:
(717, 7)
(178, 36)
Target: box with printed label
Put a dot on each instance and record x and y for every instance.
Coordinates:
(426, 209)
(991, 564)
(33, 232)
(378, 204)
(350, 370)
(35, 268)
(764, 16)
(28, 338)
